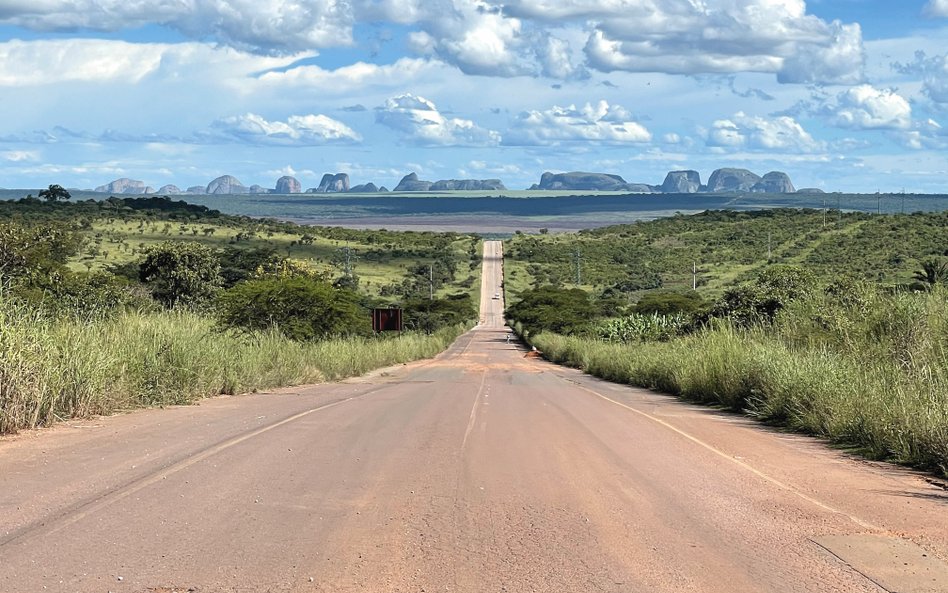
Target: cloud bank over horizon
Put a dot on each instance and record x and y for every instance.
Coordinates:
(841, 96)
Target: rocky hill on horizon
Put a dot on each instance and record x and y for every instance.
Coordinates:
(411, 182)
(726, 179)
(687, 181)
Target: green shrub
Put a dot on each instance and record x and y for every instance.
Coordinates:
(669, 302)
(181, 272)
(300, 308)
(430, 315)
(28, 250)
(775, 288)
(549, 308)
(84, 295)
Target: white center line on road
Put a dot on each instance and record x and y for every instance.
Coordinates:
(738, 462)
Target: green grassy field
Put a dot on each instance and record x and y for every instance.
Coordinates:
(116, 241)
(114, 234)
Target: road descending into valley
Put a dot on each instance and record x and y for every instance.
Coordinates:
(479, 471)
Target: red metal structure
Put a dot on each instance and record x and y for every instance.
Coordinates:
(386, 320)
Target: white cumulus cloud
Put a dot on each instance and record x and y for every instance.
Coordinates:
(780, 134)
(297, 130)
(27, 63)
(601, 122)
(474, 36)
(420, 121)
(928, 134)
(725, 36)
(556, 59)
(358, 76)
(839, 59)
(54, 61)
(937, 8)
(865, 107)
(266, 26)
(505, 37)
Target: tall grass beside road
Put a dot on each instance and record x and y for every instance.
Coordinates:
(55, 369)
(870, 373)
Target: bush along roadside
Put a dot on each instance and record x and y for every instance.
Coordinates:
(864, 368)
(53, 369)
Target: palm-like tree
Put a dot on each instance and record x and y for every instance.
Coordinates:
(933, 272)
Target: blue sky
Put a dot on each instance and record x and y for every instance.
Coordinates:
(842, 94)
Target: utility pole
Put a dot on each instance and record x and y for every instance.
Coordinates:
(430, 282)
(694, 275)
(578, 255)
(839, 210)
(769, 250)
(824, 213)
(347, 261)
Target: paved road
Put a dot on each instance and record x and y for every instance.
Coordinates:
(480, 471)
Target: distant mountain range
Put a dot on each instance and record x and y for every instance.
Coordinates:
(679, 182)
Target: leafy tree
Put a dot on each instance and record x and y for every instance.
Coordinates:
(430, 315)
(775, 288)
(780, 285)
(742, 305)
(549, 308)
(54, 193)
(35, 250)
(669, 302)
(348, 281)
(239, 264)
(301, 308)
(180, 272)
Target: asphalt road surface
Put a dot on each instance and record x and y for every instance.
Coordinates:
(479, 471)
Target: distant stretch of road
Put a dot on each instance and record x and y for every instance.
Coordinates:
(479, 471)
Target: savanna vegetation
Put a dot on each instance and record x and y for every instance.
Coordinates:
(108, 305)
(843, 334)
(728, 248)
